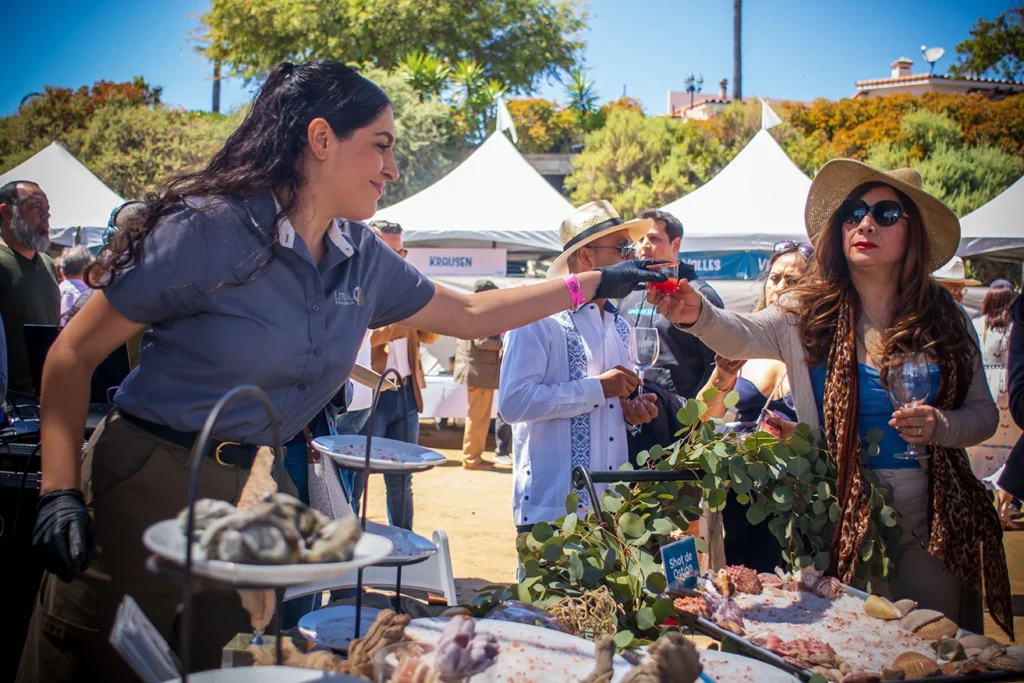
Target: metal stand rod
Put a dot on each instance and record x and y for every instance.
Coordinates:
(366, 484)
(198, 455)
(278, 603)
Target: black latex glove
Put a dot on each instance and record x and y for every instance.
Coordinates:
(621, 279)
(63, 533)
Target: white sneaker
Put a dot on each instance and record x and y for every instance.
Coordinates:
(503, 460)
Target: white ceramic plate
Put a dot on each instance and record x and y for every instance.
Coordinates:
(268, 674)
(334, 627)
(388, 455)
(167, 540)
(406, 547)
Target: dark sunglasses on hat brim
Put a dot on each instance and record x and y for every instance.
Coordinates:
(885, 213)
(806, 249)
(627, 250)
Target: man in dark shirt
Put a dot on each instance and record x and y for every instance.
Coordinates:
(684, 362)
(28, 279)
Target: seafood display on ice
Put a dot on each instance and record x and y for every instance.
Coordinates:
(812, 622)
(279, 530)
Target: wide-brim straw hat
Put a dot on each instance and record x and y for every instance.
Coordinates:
(588, 223)
(955, 273)
(839, 177)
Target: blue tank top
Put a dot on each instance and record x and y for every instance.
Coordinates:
(752, 401)
(874, 410)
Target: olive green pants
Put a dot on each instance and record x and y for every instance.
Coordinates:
(131, 480)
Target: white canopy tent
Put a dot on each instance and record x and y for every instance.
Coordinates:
(493, 198)
(996, 230)
(755, 201)
(79, 201)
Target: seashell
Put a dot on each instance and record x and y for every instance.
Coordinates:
(723, 582)
(834, 675)
(828, 587)
(949, 649)
(916, 665)
(967, 666)
(991, 652)
(774, 591)
(1005, 663)
(893, 675)
(862, 677)
(940, 628)
(918, 618)
(972, 651)
(416, 671)
(905, 606)
(1015, 651)
(878, 607)
(976, 641)
(844, 668)
(767, 579)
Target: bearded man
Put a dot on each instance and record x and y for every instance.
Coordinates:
(29, 294)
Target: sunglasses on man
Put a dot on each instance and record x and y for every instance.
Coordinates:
(806, 249)
(627, 250)
(885, 213)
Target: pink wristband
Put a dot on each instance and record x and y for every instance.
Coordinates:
(575, 292)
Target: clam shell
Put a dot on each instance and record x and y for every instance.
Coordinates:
(1005, 663)
(967, 666)
(991, 652)
(916, 665)
(1015, 651)
(893, 675)
(862, 677)
(905, 606)
(878, 607)
(972, 651)
(934, 630)
(918, 618)
(975, 641)
(835, 675)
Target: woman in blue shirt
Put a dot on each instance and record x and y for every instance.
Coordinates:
(242, 275)
(869, 296)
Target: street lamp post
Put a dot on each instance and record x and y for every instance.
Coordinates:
(693, 85)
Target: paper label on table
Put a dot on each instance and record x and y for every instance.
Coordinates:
(681, 564)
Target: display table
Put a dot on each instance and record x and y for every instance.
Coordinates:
(444, 398)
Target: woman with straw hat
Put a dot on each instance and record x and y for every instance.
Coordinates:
(877, 236)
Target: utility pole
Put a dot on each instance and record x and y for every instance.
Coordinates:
(737, 56)
(216, 87)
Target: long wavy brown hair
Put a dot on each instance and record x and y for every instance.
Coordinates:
(926, 319)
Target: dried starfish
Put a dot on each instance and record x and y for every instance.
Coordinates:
(387, 629)
(673, 659)
(604, 654)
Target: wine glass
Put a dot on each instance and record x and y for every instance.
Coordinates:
(909, 386)
(647, 347)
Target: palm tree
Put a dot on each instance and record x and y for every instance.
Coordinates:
(582, 95)
(427, 74)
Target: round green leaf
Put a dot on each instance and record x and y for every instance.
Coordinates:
(642, 457)
(572, 503)
(552, 551)
(542, 531)
(833, 513)
(783, 495)
(715, 499)
(702, 545)
(709, 462)
(874, 436)
(799, 468)
(823, 490)
(743, 498)
(611, 503)
(709, 394)
(645, 618)
(756, 514)
(731, 399)
(569, 523)
(657, 583)
(822, 560)
(623, 639)
(663, 608)
(888, 516)
(631, 525)
(575, 566)
(818, 507)
(757, 472)
(662, 526)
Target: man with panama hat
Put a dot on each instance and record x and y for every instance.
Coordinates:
(566, 380)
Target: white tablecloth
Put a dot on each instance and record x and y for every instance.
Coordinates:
(444, 398)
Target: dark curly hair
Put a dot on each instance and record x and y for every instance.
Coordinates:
(264, 152)
(925, 319)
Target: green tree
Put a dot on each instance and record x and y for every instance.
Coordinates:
(637, 162)
(542, 125)
(518, 42)
(427, 74)
(996, 45)
(583, 100)
(964, 177)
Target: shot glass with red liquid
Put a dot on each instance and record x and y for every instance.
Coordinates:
(671, 271)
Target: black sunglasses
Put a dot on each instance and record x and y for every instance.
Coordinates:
(806, 249)
(627, 250)
(885, 213)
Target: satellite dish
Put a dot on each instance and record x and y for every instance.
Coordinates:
(932, 55)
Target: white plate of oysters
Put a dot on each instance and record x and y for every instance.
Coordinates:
(280, 542)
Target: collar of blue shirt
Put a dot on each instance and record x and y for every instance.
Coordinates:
(264, 207)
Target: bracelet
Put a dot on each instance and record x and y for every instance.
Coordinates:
(575, 293)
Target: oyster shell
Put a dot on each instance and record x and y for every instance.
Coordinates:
(949, 649)
(905, 607)
(251, 537)
(878, 607)
(916, 665)
(334, 542)
(208, 511)
(305, 519)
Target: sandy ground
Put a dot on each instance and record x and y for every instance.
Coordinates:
(475, 509)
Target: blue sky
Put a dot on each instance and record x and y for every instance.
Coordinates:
(792, 49)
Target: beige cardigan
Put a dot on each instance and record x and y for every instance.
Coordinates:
(773, 334)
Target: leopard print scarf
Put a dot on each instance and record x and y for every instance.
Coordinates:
(961, 516)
